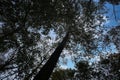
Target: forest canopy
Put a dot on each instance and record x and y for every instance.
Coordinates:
(32, 30)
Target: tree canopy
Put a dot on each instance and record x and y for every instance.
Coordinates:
(25, 26)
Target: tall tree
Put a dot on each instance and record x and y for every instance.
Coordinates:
(49, 66)
(21, 22)
(47, 69)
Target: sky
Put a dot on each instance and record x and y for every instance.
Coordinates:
(112, 21)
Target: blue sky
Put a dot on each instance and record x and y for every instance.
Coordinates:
(112, 21)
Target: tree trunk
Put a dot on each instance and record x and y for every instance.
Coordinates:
(47, 69)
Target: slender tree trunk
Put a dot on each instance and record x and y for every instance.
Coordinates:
(47, 69)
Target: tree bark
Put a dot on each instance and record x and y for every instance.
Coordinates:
(47, 69)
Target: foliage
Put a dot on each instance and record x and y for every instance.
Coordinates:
(23, 23)
(62, 74)
(84, 70)
(106, 69)
(113, 36)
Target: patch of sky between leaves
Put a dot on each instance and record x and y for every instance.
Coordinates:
(113, 18)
